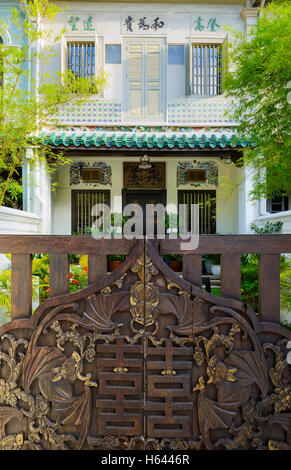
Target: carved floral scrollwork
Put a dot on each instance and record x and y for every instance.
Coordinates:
(205, 361)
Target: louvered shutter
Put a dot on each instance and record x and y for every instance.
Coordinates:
(153, 79)
(135, 79)
(145, 78)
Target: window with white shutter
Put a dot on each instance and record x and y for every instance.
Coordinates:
(144, 78)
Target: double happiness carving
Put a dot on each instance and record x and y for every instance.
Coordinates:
(143, 359)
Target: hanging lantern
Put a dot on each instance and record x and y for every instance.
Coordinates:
(144, 163)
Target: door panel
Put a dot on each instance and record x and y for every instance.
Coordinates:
(135, 79)
(142, 198)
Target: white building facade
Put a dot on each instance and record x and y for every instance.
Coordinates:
(164, 103)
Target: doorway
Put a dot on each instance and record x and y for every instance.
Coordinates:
(142, 197)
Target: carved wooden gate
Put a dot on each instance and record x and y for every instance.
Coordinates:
(144, 360)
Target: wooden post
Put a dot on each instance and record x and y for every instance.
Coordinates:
(231, 276)
(59, 274)
(269, 287)
(192, 269)
(97, 268)
(21, 286)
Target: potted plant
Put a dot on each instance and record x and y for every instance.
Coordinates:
(212, 263)
(206, 264)
(171, 222)
(174, 262)
(114, 261)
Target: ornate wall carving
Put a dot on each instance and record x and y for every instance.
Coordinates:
(216, 378)
(209, 166)
(76, 173)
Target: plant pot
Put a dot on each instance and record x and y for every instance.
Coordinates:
(207, 267)
(175, 265)
(215, 269)
(112, 265)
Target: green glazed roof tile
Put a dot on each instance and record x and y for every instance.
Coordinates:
(141, 140)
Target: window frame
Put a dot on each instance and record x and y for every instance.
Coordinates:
(284, 204)
(215, 40)
(113, 44)
(74, 205)
(211, 223)
(176, 44)
(81, 37)
(81, 57)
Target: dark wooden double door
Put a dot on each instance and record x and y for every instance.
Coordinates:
(146, 199)
(205, 199)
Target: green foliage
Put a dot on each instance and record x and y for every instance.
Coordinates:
(40, 284)
(13, 194)
(78, 278)
(285, 282)
(40, 268)
(258, 71)
(250, 271)
(80, 86)
(213, 259)
(171, 221)
(249, 280)
(88, 232)
(27, 103)
(173, 257)
(268, 228)
(287, 325)
(116, 258)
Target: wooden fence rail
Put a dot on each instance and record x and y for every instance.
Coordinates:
(230, 247)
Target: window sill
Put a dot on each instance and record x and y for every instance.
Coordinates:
(193, 97)
(276, 215)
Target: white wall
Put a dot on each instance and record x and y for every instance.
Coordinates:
(15, 222)
(284, 217)
(227, 201)
(37, 190)
(180, 30)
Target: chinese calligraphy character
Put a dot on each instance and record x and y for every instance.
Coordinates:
(88, 24)
(157, 24)
(212, 24)
(199, 25)
(142, 24)
(73, 22)
(128, 23)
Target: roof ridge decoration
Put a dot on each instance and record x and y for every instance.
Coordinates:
(141, 129)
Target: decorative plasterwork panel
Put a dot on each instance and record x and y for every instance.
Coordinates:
(76, 173)
(199, 111)
(209, 166)
(94, 112)
(99, 111)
